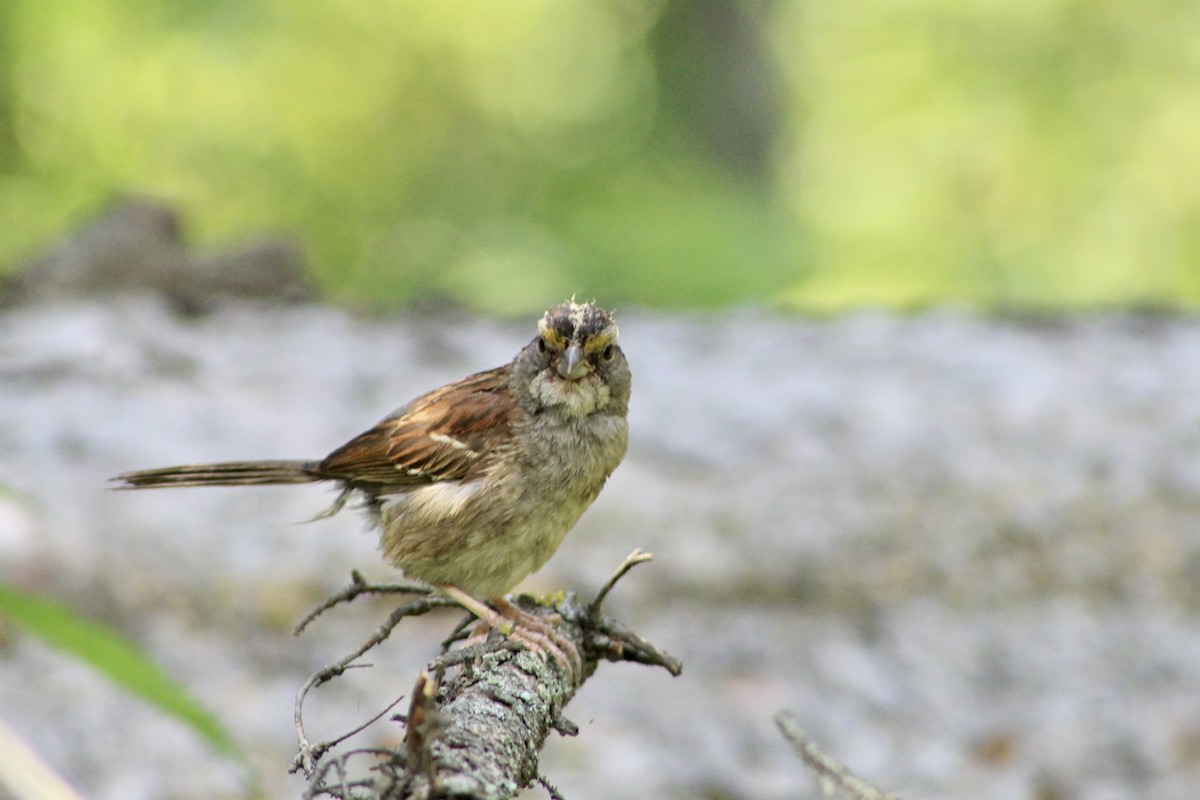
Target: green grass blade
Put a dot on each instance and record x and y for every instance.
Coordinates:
(115, 657)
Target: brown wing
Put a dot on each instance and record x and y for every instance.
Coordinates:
(447, 434)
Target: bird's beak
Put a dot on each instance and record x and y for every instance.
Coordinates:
(572, 365)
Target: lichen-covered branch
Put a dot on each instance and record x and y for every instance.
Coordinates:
(478, 716)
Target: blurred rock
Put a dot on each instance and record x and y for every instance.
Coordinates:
(268, 268)
(136, 245)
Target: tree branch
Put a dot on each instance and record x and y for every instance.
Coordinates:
(478, 716)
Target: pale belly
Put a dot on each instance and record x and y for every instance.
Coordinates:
(484, 537)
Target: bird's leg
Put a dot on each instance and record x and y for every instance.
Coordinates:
(489, 618)
(521, 626)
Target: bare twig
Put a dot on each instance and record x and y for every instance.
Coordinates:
(631, 561)
(343, 778)
(422, 719)
(833, 775)
(309, 754)
(342, 787)
(459, 633)
(326, 746)
(613, 641)
(550, 788)
(358, 586)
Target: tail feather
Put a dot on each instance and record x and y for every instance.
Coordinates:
(228, 473)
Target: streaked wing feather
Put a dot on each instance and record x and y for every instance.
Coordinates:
(446, 434)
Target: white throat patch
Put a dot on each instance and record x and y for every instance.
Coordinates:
(576, 398)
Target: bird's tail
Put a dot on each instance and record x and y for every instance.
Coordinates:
(227, 473)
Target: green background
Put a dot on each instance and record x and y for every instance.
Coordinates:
(1024, 154)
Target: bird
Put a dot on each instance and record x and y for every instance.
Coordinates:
(474, 485)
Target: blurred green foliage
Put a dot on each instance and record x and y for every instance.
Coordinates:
(1026, 153)
(117, 659)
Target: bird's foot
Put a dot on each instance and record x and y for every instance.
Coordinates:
(540, 636)
(533, 632)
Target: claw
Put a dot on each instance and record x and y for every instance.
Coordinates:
(533, 632)
(540, 637)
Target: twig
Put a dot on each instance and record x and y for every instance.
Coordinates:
(343, 779)
(631, 561)
(307, 758)
(613, 641)
(831, 772)
(326, 746)
(550, 788)
(459, 633)
(358, 586)
(337, 765)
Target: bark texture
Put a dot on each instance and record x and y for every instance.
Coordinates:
(479, 717)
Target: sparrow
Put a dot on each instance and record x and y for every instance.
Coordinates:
(474, 485)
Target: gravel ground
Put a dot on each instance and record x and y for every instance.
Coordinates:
(964, 551)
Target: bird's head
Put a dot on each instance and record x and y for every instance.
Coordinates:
(575, 363)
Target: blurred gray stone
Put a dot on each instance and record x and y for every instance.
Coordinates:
(136, 245)
(963, 550)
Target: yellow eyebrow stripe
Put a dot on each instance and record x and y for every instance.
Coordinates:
(552, 337)
(601, 340)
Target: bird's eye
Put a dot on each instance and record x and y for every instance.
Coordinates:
(608, 353)
(541, 345)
